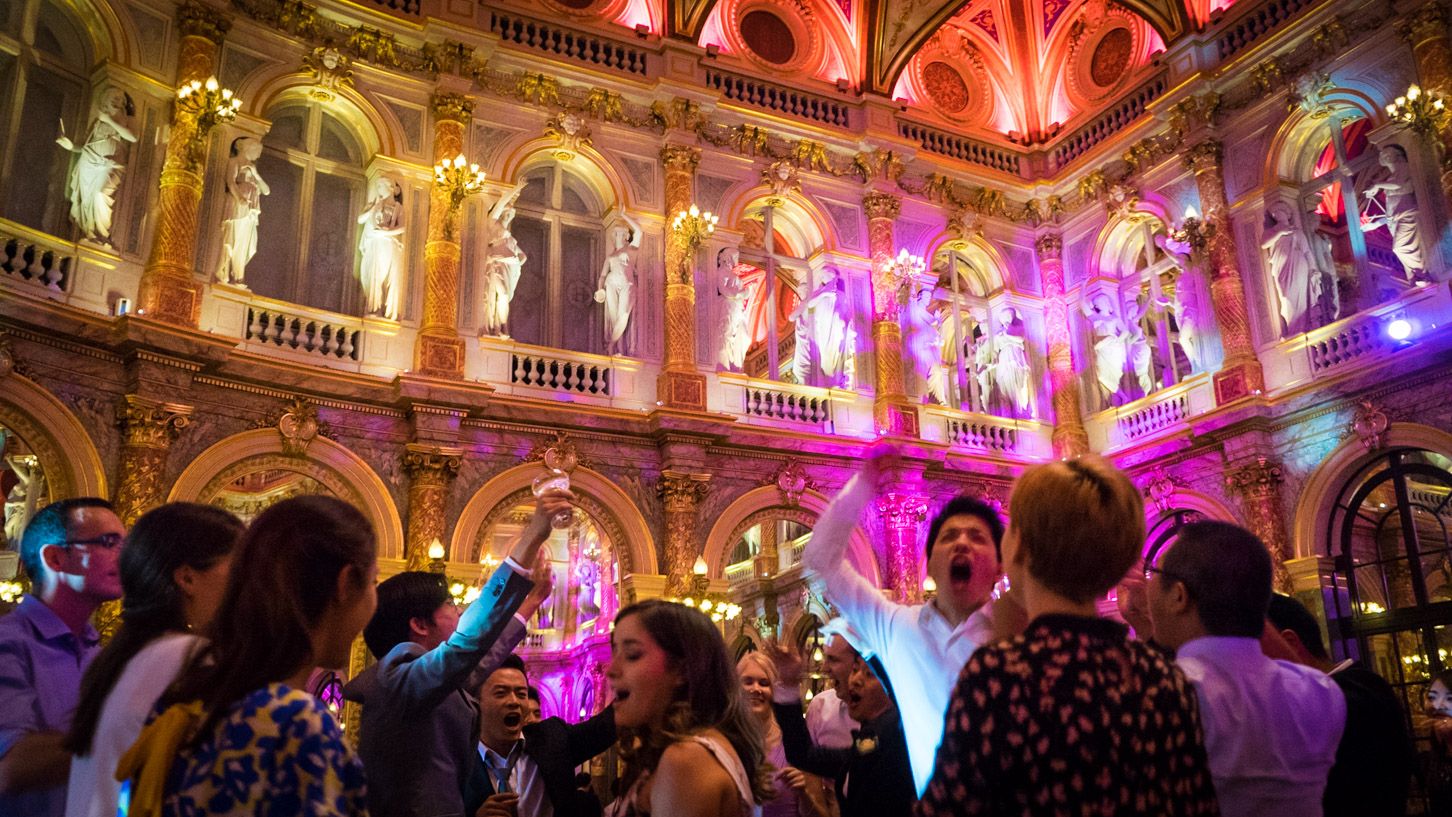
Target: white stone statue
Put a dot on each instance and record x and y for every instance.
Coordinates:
(94, 173)
(25, 497)
(1110, 351)
(503, 263)
(587, 583)
(1191, 305)
(1291, 267)
(616, 288)
(381, 244)
(1137, 346)
(735, 319)
(825, 339)
(1010, 361)
(242, 210)
(925, 343)
(1398, 211)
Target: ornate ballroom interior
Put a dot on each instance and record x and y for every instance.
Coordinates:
(697, 255)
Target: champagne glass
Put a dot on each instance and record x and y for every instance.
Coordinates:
(554, 480)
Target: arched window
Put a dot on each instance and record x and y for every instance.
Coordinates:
(965, 378)
(45, 62)
(307, 236)
(558, 226)
(1165, 529)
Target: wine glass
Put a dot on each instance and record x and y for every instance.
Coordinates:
(554, 480)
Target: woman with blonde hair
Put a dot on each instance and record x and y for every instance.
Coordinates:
(794, 788)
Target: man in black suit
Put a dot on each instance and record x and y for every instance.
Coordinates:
(526, 769)
(874, 776)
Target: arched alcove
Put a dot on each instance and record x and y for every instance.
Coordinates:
(62, 450)
(763, 503)
(327, 465)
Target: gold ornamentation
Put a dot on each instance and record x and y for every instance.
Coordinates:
(1267, 76)
(877, 163)
(1309, 94)
(430, 463)
(990, 202)
(572, 133)
(452, 108)
(537, 89)
(680, 158)
(791, 481)
(1331, 38)
(558, 454)
(1160, 489)
(879, 205)
(431, 469)
(681, 494)
(152, 424)
(1121, 199)
(809, 155)
(196, 20)
(1423, 111)
(782, 177)
(449, 57)
(749, 140)
(1092, 186)
(1049, 246)
(1369, 424)
(605, 105)
(678, 114)
(375, 46)
(332, 69)
(1428, 22)
(7, 358)
(298, 425)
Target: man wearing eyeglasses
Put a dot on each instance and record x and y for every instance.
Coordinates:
(71, 551)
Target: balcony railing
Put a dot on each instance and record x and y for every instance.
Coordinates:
(779, 98)
(303, 334)
(1264, 19)
(961, 148)
(563, 42)
(36, 258)
(560, 374)
(1158, 414)
(1107, 124)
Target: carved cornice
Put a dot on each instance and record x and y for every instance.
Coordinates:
(197, 20)
(1256, 480)
(147, 423)
(452, 108)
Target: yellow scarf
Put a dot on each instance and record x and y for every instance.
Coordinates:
(149, 759)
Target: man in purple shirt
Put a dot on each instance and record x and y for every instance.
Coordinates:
(71, 552)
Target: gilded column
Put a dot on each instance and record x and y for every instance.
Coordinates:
(1070, 439)
(680, 385)
(148, 428)
(431, 469)
(1426, 30)
(682, 493)
(1241, 373)
(169, 290)
(1259, 487)
(902, 514)
(439, 351)
(892, 412)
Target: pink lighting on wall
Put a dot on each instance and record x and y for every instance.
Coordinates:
(639, 13)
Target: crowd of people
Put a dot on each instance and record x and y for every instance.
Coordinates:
(1215, 696)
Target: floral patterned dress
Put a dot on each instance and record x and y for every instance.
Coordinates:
(277, 753)
(1072, 718)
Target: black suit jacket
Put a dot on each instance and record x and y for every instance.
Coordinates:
(880, 779)
(556, 747)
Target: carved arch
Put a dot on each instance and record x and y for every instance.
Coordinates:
(374, 130)
(765, 502)
(1291, 152)
(588, 164)
(799, 218)
(69, 459)
(987, 264)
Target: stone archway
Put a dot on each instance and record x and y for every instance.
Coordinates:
(766, 503)
(67, 456)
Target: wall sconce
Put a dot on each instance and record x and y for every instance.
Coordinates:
(209, 105)
(436, 556)
(459, 179)
(1422, 111)
(693, 226)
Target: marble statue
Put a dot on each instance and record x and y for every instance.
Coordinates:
(1110, 349)
(735, 322)
(503, 263)
(1010, 361)
(587, 583)
(242, 210)
(1137, 346)
(925, 343)
(25, 497)
(824, 338)
(1399, 214)
(1291, 267)
(381, 244)
(95, 174)
(1191, 305)
(616, 288)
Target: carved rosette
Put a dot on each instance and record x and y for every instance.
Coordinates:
(681, 494)
(148, 428)
(1069, 437)
(431, 469)
(902, 513)
(1258, 485)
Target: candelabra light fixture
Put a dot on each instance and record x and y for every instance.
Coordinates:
(890, 278)
(209, 105)
(1421, 110)
(715, 605)
(1193, 233)
(436, 556)
(459, 178)
(694, 225)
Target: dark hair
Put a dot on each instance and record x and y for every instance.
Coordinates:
(176, 535)
(533, 691)
(709, 697)
(401, 599)
(972, 506)
(1227, 571)
(50, 526)
(1286, 613)
(284, 576)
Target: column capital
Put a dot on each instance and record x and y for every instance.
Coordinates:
(877, 205)
(680, 158)
(901, 510)
(147, 423)
(1427, 22)
(682, 491)
(432, 462)
(1204, 156)
(197, 20)
(1049, 247)
(1256, 479)
(447, 107)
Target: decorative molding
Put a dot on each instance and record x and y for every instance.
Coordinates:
(1369, 424)
(147, 423)
(791, 480)
(559, 454)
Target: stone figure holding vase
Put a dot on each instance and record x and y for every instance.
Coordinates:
(242, 210)
(616, 288)
(382, 247)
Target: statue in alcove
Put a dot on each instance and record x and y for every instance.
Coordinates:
(382, 247)
(1291, 267)
(1190, 305)
(241, 211)
(1010, 361)
(1110, 349)
(925, 343)
(1137, 346)
(503, 264)
(616, 288)
(823, 354)
(735, 321)
(1398, 211)
(94, 173)
(587, 587)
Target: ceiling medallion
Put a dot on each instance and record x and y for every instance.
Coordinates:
(779, 37)
(1102, 53)
(950, 75)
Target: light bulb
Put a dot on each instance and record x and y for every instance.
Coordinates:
(459, 160)
(474, 168)
(695, 211)
(688, 601)
(1413, 92)
(706, 605)
(930, 586)
(1191, 212)
(211, 83)
(700, 568)
(817, 655)
(436, 549)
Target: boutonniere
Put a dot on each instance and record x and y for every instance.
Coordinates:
(865, 746)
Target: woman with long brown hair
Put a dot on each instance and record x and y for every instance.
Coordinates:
(690, 746)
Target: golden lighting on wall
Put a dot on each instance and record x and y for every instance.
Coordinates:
(459, 178)
(694, 225)
(1423, 111)
(715, 605)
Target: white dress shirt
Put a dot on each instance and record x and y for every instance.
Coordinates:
(920, 650)
(828, 722)
(524, 779)
(1271, 727)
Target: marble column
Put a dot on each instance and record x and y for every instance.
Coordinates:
(680, 386)
(682, 493)
(1070, 439)
(892, 412)
(1258, 485)
(169, 290)
(902, 516)
(439, 351)
(431, 470)
(148, 428)
(1426, 30)
(1240, 375)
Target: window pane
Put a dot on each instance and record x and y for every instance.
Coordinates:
(583, 326)
(40, 202)
(271, 271)
(536, 189)
(56, 34)
(529, 308)
(576, 198)
(338, 144)
(329, 282)
(287, 130)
